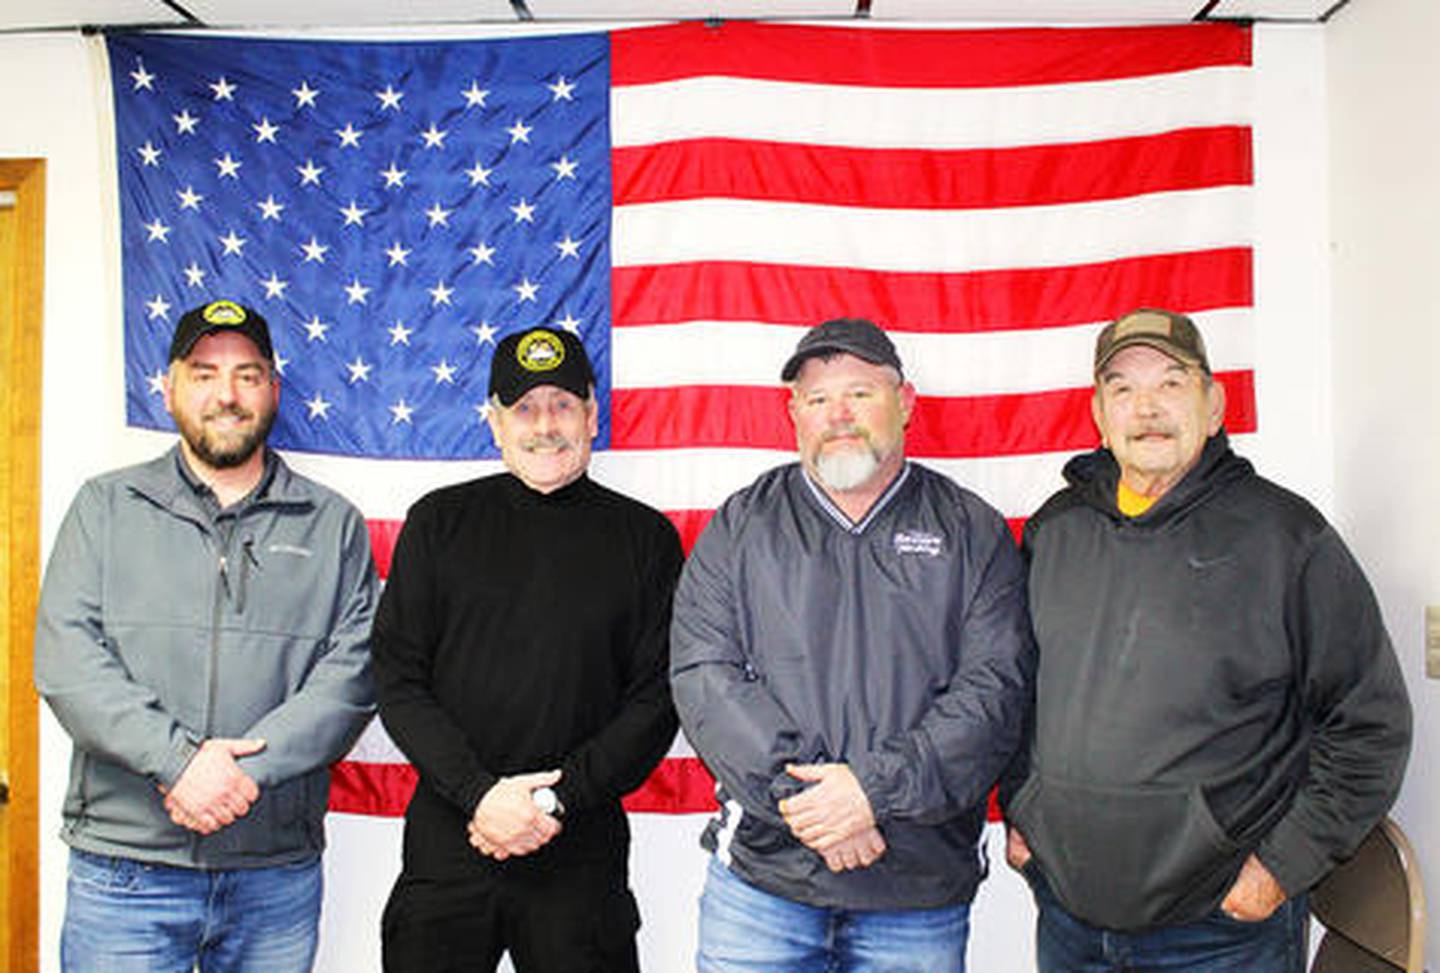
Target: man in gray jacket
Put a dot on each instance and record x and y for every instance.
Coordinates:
(203, 638)
(852, 659)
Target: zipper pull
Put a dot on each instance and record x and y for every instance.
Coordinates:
(225, 576)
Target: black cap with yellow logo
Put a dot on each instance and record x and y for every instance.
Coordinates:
(207, 319)
(540, 356)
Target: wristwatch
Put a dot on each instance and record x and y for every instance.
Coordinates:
(548, 801)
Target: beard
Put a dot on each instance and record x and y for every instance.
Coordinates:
(848, 468)
(228, 450)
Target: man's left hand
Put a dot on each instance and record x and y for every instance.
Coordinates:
(831, 811)
(1255, 894)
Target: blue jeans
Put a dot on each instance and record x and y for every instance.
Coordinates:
(745, 929)
(125, 916)
(1215, 944)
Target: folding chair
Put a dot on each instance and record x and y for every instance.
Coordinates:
(1373, 909)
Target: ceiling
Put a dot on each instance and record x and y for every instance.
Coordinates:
(31, 15)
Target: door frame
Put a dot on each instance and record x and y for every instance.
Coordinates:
(21, 332)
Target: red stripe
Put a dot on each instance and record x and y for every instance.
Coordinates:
(689, 523)
(919, 58)
(921, 179)
(982, 425)
(996, 300)
(680, 785)
(382, 542)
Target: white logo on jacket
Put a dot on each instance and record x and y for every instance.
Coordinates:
(918, 542)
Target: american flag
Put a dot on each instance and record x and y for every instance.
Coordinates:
(689, 198)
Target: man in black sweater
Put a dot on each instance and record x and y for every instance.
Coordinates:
(520, 652)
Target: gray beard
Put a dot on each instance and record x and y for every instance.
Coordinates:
(847, 469)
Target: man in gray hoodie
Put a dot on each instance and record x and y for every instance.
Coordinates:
(203, 638)
(1219, 715)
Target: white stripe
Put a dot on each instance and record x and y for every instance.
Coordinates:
(981, 363)
(930, 240)
(679, 479)
(927, 118)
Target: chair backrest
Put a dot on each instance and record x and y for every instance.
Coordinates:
(1373, 909)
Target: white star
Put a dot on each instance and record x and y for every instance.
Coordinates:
(568, 247)
(314, 251)
(483, 253)
(569, 322)
(309, 172)
(274, 286)
(565, 167)
(524, 211)
(158, 307)
(483, 332)
(149, 155)
(189, 198)
(359, 370)
(185, 122)
(265, 131)
(397, 254)
(475, 95)
(399, 334)
(354, 215)
(233, 243)
(143, 79)
(394, 176)
(304, 95)
(194, 276)
(434, 137)
(483, 411)
(355, 291)
(158, 231)
(526, 290)
(389, 98)
(562, 90)
(520, 132)
(349, 136)
(444, 372)
(319, 408)
(228, 167)
(280, 362)
(438, 215)
(315, 329)
(479, 175)
(269, 209)
(402, 412)
(224, 89)
(156, 382)
(440, 294)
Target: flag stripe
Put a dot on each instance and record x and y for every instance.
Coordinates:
(984, 425)
(918, 58)
(919, 179)
(925, 301)
(953, 241)
(983, 363)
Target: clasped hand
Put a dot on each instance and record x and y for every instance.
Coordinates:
(833, 817)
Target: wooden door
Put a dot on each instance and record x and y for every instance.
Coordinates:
(22, 248)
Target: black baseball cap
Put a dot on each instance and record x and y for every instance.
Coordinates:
(1167, 332)
(854, 336)
(540, 356)
(217, 316)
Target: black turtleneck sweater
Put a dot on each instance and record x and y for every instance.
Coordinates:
(519, 632)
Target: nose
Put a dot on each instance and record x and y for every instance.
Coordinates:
(839, 413)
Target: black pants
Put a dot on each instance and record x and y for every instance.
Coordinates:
(577, 921)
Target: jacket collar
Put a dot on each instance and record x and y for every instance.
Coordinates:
(1096, 477)
(161, 482)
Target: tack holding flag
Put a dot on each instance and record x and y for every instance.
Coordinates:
(700, 194)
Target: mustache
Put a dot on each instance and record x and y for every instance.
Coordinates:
(845, 432)
(1152, 431)
(549, 441)
(229, 410)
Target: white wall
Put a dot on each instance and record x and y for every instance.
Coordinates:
(57, 118)
(1384, 118)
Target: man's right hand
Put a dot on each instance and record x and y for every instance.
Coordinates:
(212, 791)
(507, 822)
(858, 851)
(1017, 851)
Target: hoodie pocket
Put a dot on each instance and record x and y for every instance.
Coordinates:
(1127, 857)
